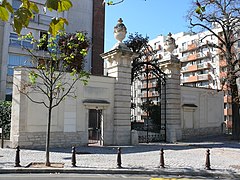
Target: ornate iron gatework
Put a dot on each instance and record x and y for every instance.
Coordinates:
(152, 126)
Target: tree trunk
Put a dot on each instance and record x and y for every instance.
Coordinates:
(47, 163)
(235, 122)
(235, 112)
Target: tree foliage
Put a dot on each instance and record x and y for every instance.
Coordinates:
(27, 11)
(221, 18)
(5, 117)
(153, 110)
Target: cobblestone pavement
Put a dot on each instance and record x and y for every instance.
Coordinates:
(182, 156)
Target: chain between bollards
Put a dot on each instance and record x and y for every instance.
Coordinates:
(162, 165)
(207, 164)
(74, 157)
(119, 159)
(17, 158)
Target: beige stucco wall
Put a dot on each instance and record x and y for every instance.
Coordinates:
(201, 112)
(69, 119)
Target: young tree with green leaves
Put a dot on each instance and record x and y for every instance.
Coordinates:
(56, 74)
(222, 19)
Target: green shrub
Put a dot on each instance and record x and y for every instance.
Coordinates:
(5, 117)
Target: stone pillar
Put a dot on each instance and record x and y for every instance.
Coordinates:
(119, 66)
(170, 65)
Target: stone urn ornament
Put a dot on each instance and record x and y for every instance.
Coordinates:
(170, 44)
(120, 31)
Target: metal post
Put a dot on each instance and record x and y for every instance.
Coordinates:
(17, 158)
(147, 105)
(119, 159)
(74, 157)
(162, 159)
(207, 164)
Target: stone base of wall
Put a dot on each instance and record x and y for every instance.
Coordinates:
(57, 139)
(201, 132)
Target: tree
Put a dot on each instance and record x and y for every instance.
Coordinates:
(222, 19)
(56, 73)
(154, 112)
(136, 43)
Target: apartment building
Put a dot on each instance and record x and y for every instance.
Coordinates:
(201, 67)
(85, 15)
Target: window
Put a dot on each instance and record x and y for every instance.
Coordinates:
(17, 60)
(15, 42)
(44, 19)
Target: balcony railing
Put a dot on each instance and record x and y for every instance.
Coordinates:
(227, 112)
(204, 65)
(222, 63)
(227, 99)
(196, 56)
(201, 77)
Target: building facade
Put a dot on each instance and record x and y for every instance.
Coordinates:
(85, 15)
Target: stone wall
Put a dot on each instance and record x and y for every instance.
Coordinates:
(201, 112)
(69, 123)
(57, 139)
(200, 132)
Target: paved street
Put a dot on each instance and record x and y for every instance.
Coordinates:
(183, 158)
(91, 177)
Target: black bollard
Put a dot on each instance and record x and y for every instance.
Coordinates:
(17, 158)
(119, 160)
(162, 159)
(207, 164)
(74, 157)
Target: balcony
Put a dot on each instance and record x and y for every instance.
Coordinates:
(227, 99)
(193, 57)
(223, 74)
(189, 68)
(202, 77)
(227, 112)
(150, 94)
(204, 65)
(222, 63)
(196, 67)
(190, 47)
(150, 85)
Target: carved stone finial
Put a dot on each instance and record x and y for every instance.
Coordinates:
(170, 44)
(120, 31)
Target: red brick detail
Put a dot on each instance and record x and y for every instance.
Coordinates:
(98, 37)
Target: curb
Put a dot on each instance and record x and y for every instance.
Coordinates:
(167, 172)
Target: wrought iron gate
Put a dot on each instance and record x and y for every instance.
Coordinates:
(152, 127)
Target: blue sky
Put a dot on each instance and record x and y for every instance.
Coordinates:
(150, 17)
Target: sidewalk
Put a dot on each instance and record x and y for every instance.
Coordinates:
(183, 158)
